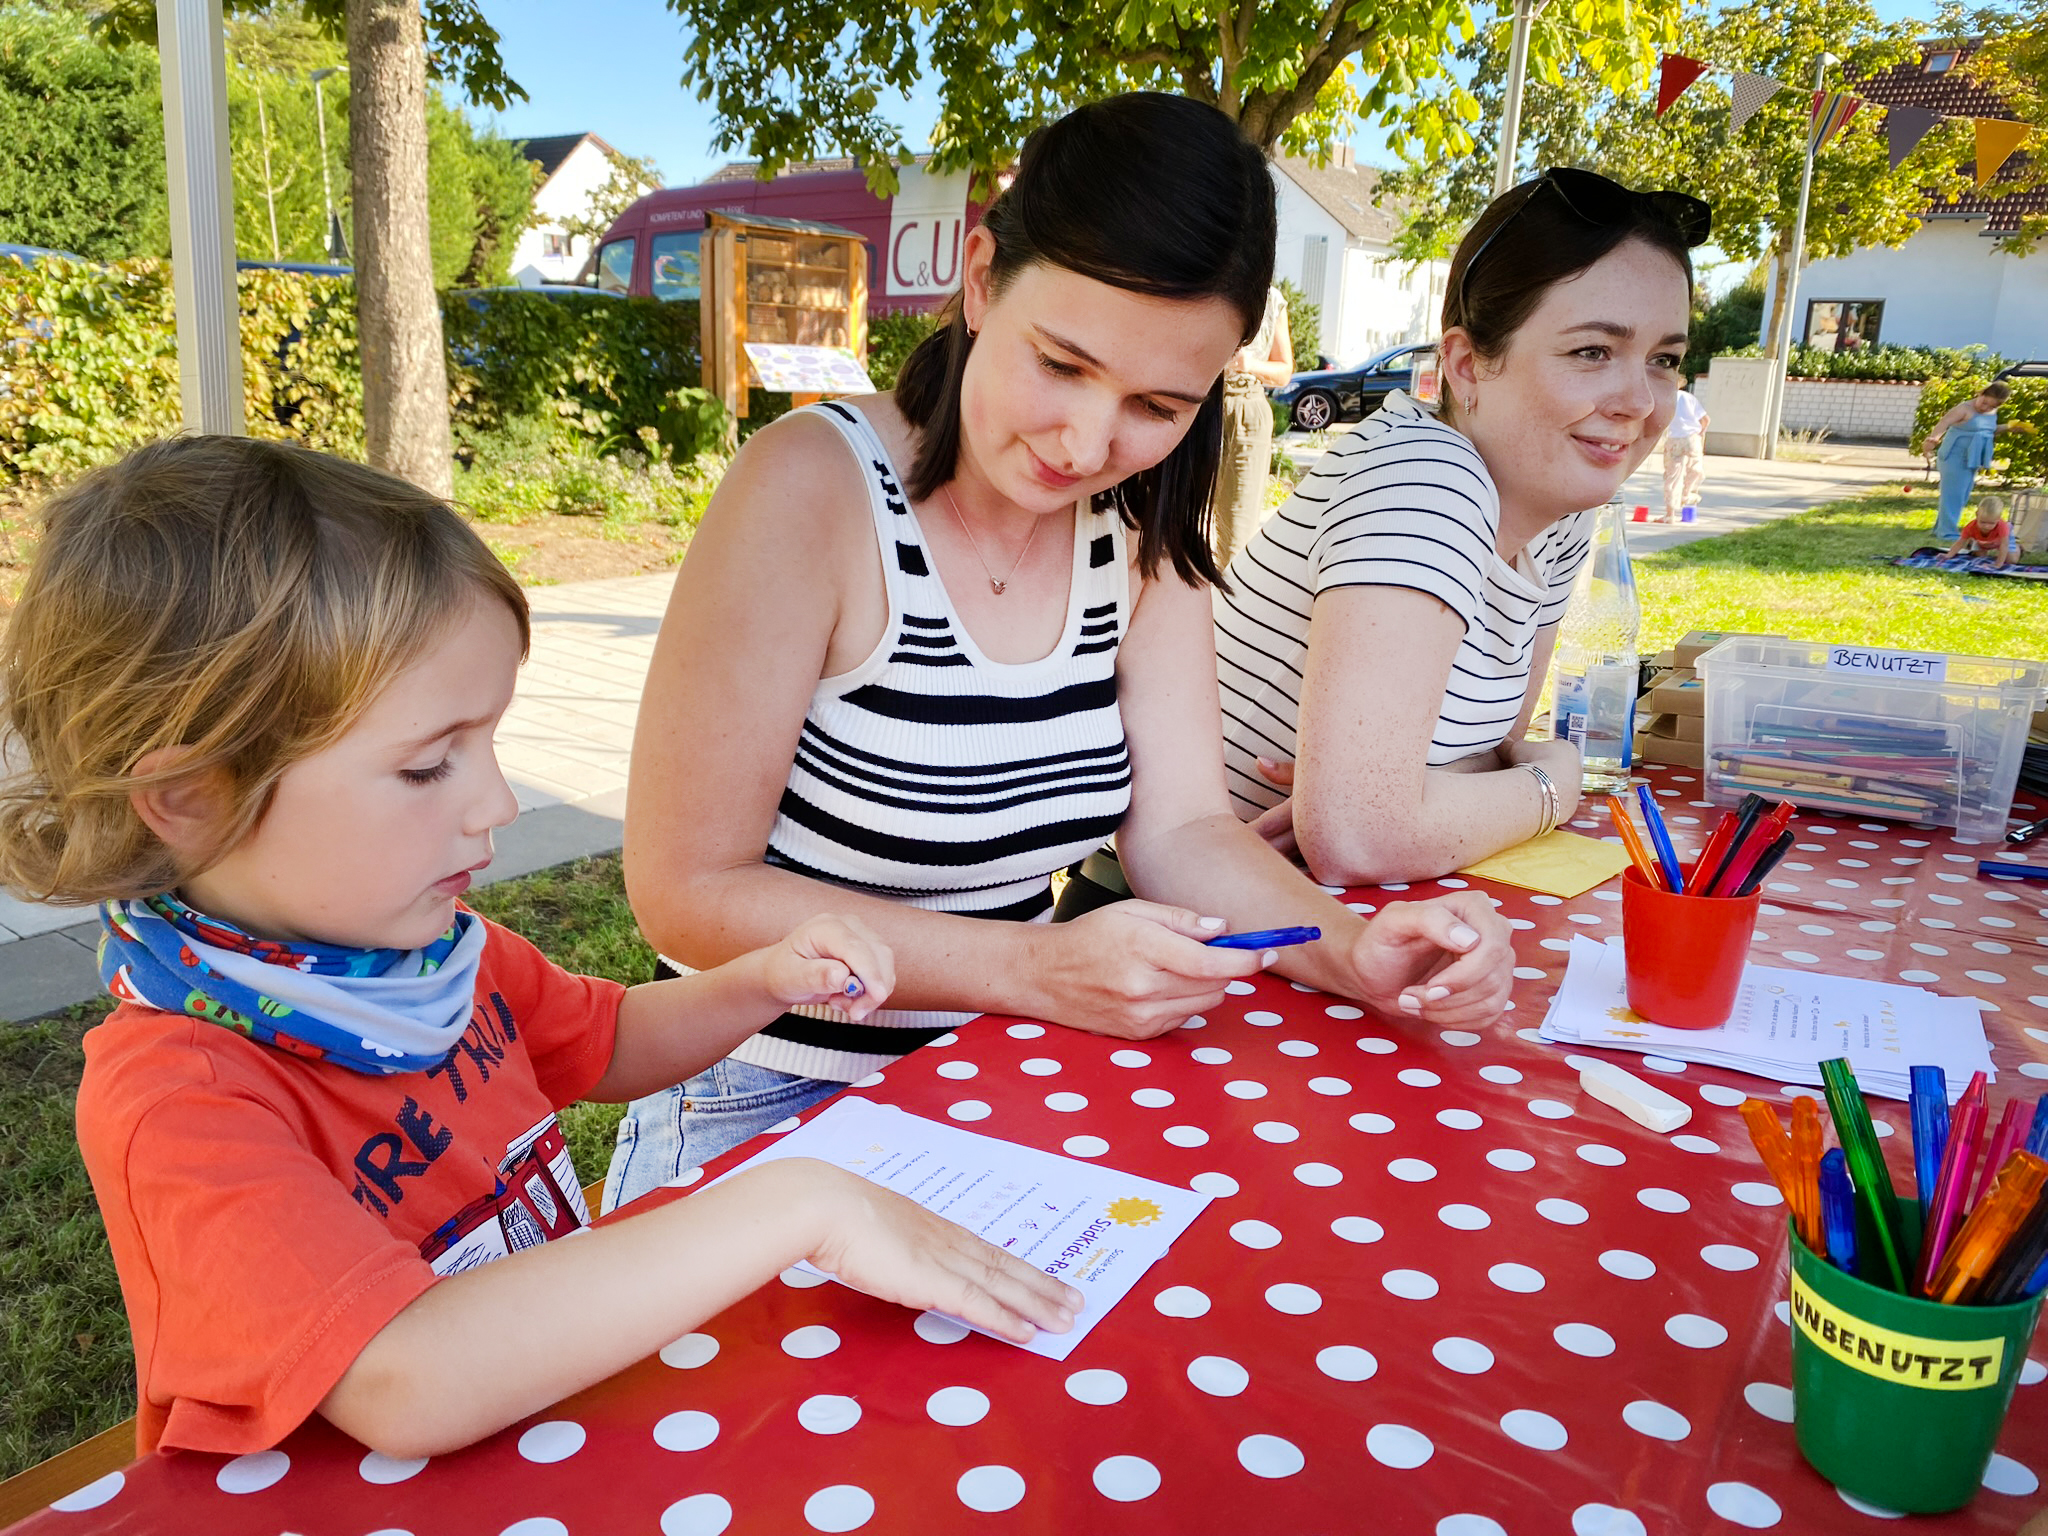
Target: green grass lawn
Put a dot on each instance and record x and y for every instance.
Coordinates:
(1815, 576)
(64, 1349)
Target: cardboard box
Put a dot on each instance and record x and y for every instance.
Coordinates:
(1655, 746)
(1677, 693)
(1695, 645)
(1676, 727)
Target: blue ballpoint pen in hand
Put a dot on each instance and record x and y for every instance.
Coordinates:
(1660, 839)
(1838, 1210)
(1265, 938)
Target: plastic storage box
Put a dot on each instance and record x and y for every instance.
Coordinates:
(1901, 735)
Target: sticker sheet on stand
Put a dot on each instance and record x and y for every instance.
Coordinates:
(1437, 1289)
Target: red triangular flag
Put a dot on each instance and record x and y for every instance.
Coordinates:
(1675, 72)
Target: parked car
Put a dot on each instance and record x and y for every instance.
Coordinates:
(1322, 396)
(2033, 368)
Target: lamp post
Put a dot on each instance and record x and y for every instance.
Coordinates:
(1781, 341)
(337, 242)
(1526, 11)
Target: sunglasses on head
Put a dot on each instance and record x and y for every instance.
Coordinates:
(1594, 199)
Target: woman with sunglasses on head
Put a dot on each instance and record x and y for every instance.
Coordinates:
(1382, 642)
(930, 646)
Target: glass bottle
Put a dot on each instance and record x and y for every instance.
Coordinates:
(1593, 691)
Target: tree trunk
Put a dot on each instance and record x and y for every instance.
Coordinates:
(1781, 267)
(398, 319)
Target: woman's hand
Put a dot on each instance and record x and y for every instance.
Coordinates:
(813, 966)
(1135, 969)
(1447, 961)
(879, 1242)
(1276, 823)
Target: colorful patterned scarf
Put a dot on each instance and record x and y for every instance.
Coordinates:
(376, 1011)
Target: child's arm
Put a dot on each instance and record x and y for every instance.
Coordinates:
(487, 1347)
(1956, 548)
(671, 1030)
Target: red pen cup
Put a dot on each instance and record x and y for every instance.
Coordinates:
(1685, 953)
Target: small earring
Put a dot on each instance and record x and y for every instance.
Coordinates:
(1470, 405)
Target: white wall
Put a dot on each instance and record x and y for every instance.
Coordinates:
(566, 195)
(1301, 217)
(1386, 302)
(1948, 286)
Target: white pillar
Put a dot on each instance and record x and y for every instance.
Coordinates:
(193, 48)
(1511, 101)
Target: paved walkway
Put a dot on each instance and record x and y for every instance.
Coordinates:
(566, 741)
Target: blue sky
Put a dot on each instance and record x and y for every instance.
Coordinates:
(614, 68)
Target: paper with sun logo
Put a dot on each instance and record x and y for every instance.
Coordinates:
(1095, 1228)
(1785, 1024)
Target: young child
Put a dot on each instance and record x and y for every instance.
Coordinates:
(1988, 533)
(254, 690)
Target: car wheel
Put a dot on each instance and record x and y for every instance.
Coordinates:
(1315, 410)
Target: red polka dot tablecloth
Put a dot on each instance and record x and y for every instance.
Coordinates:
(1438, 1291)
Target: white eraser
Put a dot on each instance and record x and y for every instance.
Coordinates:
(1642, 1102)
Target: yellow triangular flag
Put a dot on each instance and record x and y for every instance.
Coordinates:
(1996, 140)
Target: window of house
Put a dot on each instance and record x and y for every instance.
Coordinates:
(673, 261)
(554, 244)
(1843, 325)
(1940, 63)
(615, 266)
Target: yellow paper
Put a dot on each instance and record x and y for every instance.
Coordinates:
(1558, 863)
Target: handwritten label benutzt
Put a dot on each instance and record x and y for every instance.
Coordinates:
(1868, 661)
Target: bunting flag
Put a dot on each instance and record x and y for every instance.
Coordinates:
(1905, 127)
(1996, 140)
(1746, 93)
(1831, 113)
(1674, 73)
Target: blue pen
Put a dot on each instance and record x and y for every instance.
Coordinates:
(1266, 938)
(2036, 1281)
(1838, 1210)
(2012, 871)
(2037, 1134)
(853, 986)
(1930, 1131)
(1667, 856)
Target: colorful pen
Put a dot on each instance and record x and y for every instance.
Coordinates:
(1768, 861)
(2012, 1269)
(1710, 856)
(2004, 1141)
(1266, 938)
(2006, 871)
(1632, 840)
(1769, 833)
(1957, 1161)
(1838, 1210)
(1660, 839)
(2037, 1138)
(1806, 1160)
(1867, 1168)
(1990, 1227)
(853, 986)
(1746, 816)
(1772, 1145)
(1929, 1100)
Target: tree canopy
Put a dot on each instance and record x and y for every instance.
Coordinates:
(1294, 74)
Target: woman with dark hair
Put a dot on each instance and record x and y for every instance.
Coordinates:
(1383, 640)
(930, 646)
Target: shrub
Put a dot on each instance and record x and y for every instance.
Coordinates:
(1304, 325)
(525, 467)
(891, 337)
(2020, 454)
(1909, 365)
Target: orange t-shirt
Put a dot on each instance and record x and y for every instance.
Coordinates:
(266, 1212)
(1992, 539)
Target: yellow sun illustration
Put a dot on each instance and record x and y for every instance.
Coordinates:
(1134, 1212)
(1626, 1016)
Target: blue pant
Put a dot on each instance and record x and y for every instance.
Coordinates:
(666, 1134)
(1957, 481)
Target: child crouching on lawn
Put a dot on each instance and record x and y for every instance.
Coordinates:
(1987, 533)
(253, 691)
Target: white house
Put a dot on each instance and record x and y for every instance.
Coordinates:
(1336, 244)
(574, 167)
(1949, 285)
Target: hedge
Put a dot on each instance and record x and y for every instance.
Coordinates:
(1907, 365)
(2021, 454)
(93, 370)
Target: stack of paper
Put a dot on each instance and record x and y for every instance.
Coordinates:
(1097, 1229)
(1785, 1024)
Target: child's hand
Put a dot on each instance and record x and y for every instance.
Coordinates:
(879, 1242)
(822, 957)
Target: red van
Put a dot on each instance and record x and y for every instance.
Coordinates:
(914, 239)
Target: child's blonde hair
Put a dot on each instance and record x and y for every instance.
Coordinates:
(1992, 507)
(243, 600)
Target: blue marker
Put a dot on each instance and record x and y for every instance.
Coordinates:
(853, 986)
(1930, 1131)
(2037, 1133)
(2004, 870)
(1667, 856)
(1266, 938)
(1838, 1210)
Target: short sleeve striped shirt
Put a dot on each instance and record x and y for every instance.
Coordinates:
(1402, 501)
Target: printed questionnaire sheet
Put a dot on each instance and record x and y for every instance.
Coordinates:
(1095, 1228)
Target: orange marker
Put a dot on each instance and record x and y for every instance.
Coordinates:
(1806, 1150)
(1991, 1226)
(1632, 840)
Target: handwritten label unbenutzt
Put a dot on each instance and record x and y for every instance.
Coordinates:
(1868, 661)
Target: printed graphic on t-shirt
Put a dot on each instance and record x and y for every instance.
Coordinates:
(537, 1200)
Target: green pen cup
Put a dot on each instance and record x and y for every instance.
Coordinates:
(1896, 1399)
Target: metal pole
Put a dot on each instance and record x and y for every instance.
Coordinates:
(193, 52)
(1511, 102)
(337, 246)
(1781, 342)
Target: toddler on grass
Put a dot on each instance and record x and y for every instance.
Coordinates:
(252, 692)
(1987, 533)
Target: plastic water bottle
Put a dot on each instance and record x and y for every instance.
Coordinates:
(1593, 690)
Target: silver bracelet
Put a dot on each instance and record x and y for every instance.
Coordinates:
(1543, 782)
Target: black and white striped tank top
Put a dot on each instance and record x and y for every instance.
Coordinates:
(931, 775)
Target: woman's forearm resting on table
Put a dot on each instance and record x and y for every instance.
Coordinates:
(1450, 819)
(581, 1308)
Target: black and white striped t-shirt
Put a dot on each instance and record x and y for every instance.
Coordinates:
(936, 777)
(1402, 501)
